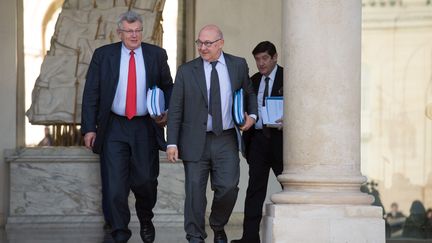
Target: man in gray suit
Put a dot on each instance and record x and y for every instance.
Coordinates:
(201, 131)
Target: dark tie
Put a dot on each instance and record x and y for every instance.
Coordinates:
(266, 130)
(266, 80)
(130, 110)
(215, 101)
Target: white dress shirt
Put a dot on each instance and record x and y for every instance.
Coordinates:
(225, 92)
(119, 102)
(260, 97)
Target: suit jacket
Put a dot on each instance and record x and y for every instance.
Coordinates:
(101, 84)
(275, 134)
(187, 119)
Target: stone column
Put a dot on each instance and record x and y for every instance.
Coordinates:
(321, 200)
(11, 92)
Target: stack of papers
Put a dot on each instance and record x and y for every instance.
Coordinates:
(238, 108)
(272, 111)
(155, 101)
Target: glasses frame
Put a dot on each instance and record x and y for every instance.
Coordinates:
(206, 43)
(131, 32)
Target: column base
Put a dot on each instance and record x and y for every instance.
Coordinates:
(323, 223)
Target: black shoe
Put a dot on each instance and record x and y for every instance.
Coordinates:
(121, 236)
(107, 238)
(107, 228)
(220, 236)
(243, 240)
(147, 232)
(196, 241)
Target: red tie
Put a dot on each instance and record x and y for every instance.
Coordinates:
(131, 88)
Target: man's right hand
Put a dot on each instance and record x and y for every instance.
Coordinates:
(172, 154)
(89, 139)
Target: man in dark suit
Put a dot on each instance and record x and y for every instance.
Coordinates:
(263, 144)
(116, 123)
(202, 133)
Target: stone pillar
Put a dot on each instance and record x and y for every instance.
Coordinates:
(12, 81)
(321, 200)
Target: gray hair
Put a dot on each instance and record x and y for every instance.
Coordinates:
(130, 17)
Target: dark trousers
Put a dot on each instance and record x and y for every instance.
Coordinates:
(104, 182)
(131, 157)
(262, 156)
(220, 160)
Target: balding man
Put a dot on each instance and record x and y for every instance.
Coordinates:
(201, 131)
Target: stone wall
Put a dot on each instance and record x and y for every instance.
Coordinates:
(59, 186)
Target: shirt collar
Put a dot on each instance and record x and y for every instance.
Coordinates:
(221, 60)
(273, 73)
(126, 50)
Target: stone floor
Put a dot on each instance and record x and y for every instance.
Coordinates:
(96, 235)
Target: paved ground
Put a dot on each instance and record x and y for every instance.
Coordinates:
(95, 235)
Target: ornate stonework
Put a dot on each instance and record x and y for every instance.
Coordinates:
(82, 26)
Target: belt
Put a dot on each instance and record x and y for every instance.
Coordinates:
(229, 130)
(120, 116)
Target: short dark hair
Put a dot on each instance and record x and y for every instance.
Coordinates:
(264, 46)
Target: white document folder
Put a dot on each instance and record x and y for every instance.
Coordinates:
(272, 111)
(155, 101)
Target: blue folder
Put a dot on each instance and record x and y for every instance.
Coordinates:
(238, 108)
(155, 101)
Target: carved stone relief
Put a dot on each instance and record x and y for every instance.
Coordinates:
(82, 26)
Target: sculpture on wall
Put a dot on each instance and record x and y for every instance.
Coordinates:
(82, 26)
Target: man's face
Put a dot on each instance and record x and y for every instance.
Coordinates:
(209, 45)
(265, 63)
(131, 34)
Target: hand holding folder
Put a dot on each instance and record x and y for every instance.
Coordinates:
(272, 113)
(155, 102)
(240, 116)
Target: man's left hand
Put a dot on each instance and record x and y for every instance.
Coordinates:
(279, 122)
(161, 120)
(249, 122)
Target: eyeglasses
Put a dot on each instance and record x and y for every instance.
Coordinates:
(206, 43)
(131, 32)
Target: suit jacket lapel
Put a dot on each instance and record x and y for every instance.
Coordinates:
(115, 67)
(199, 77)
(278, 82)
(256, 83)
(232, 71)
(148, 66)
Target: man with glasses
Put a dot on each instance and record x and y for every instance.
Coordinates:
(116, 124)
(202, 133)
